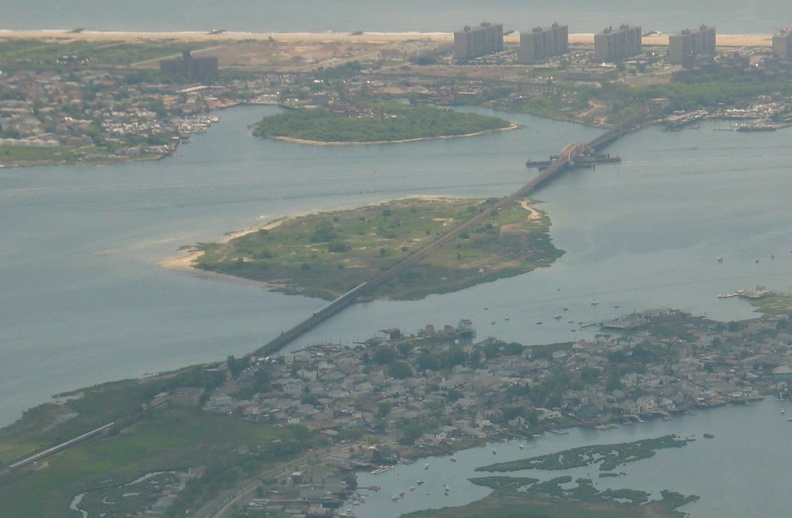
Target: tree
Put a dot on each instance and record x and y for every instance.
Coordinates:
(400, 370)
(383, 355)
(383, 409)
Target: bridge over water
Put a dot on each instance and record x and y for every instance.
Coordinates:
(565, 160)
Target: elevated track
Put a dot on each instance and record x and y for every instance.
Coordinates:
(563, 161)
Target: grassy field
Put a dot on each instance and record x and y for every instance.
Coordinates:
(24, 53)
(327, 254)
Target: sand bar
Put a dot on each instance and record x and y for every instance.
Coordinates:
(723, 40)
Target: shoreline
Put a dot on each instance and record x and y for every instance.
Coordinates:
(295, 140)
(67, 35)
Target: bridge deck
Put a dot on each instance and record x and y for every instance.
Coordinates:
(560, 163)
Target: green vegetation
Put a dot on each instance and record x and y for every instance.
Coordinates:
(34, 155)
(39, 54)
(163, 439)
(609, 456)
(530, 498)
(328, 254)
(377, 122)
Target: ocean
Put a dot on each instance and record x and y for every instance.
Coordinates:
(728, 16)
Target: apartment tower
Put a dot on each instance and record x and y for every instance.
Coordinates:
(617, 44)
(478, 41)
(687, 45)
(542, 43)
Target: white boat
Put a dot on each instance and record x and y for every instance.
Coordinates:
(395, 496)
(419, 481)
(453, 458)
(557, 316)
(594, 302)
(522, 446)
(426, 465)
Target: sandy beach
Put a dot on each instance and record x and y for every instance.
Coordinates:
(723, 40)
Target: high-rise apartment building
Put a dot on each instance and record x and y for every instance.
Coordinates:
(542, 43)
(688, 44)
(473, 42)
(190, 68)
(782, 43)
(616, 44)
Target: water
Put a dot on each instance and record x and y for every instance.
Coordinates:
(728, 16)
(84, 301)
(742, 471)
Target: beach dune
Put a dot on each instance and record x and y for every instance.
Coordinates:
(723, 40)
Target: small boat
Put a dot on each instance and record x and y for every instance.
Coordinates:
(522, 446)
(419, 481)
(395, 496)
(412, 488)
(720, 259)
(557, 316)
(594, 302)
(453, 458)
(539, 323)
(426, 465)
(446, 488)
(402, 492)
(494, 452)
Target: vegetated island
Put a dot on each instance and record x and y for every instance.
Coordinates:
(327, 254)
(563, 497)
(375, 123)
(609, 456)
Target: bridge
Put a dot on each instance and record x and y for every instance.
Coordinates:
(563, 161)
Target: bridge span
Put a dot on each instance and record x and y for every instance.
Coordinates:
(565, 160)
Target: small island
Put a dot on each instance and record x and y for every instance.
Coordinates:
(375, 123)
(327, 254)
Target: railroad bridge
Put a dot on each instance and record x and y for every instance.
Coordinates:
(568, 158)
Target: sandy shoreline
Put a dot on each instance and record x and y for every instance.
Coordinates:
(723, 40)
(185, 261)
(295, 140)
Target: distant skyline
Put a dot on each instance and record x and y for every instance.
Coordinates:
(728, 16)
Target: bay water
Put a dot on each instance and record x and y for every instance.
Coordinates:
(84, 300)
(739, 471)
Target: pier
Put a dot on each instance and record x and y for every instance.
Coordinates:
(573, 155)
